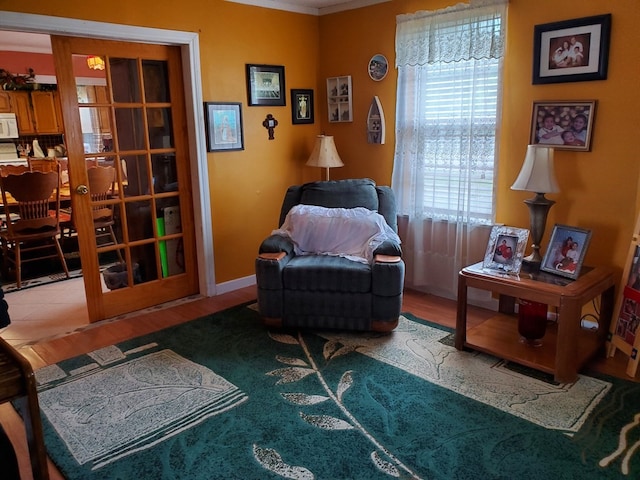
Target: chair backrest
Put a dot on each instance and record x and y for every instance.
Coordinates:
(35, 195)
(101, 180)
(43, 164)
(13, 170)
(351, 193)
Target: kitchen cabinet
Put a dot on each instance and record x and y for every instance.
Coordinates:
(5, 102)
(37, 112)
(21, 106)
(46, 112)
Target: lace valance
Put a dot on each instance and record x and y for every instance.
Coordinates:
(460, 32)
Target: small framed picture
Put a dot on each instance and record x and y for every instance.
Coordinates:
(567, 248)
(378, 67)
(265, 85)
(564, 125)
(505, 249)
(302, 107)
(572, 50)
(224, 126)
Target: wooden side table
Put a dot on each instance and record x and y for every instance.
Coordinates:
(567, 346)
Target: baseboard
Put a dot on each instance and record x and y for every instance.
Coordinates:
(236, 284)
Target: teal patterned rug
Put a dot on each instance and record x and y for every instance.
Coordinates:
(222, 397)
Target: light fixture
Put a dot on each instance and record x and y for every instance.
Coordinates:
(324, 154)
(537, 175)
(95, 63)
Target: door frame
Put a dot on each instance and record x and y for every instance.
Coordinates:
(189, 44)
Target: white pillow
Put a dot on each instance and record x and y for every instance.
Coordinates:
(353, 233)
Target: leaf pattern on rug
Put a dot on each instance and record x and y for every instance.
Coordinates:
(301, 368)
(272, 461)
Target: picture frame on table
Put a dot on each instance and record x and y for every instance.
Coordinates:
(505, 250)
(223, 121)
(302, 106)
(567, 248)
(265, 85)
(563, 125)
(571, 50)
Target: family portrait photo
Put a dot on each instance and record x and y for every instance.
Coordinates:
(571, 50)
(505, 249)
(563, 125)
(567, 248)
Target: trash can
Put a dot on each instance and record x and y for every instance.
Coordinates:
(116, 276)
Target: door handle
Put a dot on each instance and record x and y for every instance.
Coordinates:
(82, 190)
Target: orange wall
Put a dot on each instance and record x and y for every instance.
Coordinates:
(598, 188)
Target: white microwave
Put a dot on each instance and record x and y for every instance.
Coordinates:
(8, 125)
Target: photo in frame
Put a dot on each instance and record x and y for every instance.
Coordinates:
(563, 125)
(302, 106)
(505, 249)
(224, 126)
(265, 85)
(572, 50)
(567, 248)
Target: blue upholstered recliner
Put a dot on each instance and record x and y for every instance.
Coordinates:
(329, 291)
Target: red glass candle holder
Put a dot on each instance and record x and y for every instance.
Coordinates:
(532, 322)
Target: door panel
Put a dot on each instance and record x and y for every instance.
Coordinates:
(133, 120)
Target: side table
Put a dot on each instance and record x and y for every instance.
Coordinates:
(566, 346)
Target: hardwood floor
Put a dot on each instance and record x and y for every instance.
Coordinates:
(61, 346)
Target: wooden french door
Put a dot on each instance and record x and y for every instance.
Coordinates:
(128, 114)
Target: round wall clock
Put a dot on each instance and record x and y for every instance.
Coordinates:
(378, 67)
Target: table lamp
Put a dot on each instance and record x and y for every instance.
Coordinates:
(325, 154)
(537, 175)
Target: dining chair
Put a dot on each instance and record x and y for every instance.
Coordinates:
(18, 383)
(33, 235)
(101, 185)
(43, 164)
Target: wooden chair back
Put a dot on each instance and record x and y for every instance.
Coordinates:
(101, 180)
(43, 164)
(13, 169)
(37, 197)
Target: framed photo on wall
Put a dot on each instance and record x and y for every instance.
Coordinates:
(567, 248)
(302, 107)
(505, 249)
(564, 125)
(265, 85)
(572, 50)
(224, 126)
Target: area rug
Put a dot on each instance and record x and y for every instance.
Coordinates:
(38, 281)
(223, 397)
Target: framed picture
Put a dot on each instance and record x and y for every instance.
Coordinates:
(567, 248)
(265, 85)
(505, 249)
(302, 110)
(378, 67)
(572, 50)
(565, 125)
(224, 126)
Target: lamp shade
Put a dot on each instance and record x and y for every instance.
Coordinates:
(537, 173)
(324, 153)
(95, 63)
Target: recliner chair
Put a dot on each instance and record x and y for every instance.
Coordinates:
(330, 291)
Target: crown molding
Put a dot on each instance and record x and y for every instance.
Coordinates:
(294, 6)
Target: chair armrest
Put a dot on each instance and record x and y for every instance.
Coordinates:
(388, 248)
(272, 256)
(276, 244)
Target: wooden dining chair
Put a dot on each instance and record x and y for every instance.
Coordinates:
(18, 383)
(101, 182)
(43, 164)
(33, 236)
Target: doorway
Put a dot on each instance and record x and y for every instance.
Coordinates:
(188, 44)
